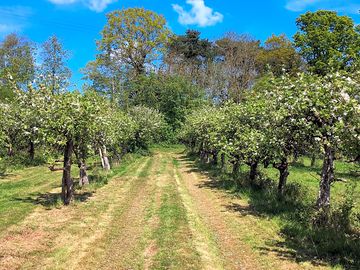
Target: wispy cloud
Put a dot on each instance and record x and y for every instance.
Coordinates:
(199, 14)
(349, 6)
(99, 5)
(63, 2)
(300, 5)
(8, 28)
(95, 5)
(350, 9)
(13, 18)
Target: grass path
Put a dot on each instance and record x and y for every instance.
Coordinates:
(158, 213)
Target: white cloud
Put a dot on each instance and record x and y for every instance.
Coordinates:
(99, 5)
(200, 14)
(95, 5)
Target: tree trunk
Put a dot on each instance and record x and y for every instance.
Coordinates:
(105, 159)
(215, 158)
(236, 169)
(296, 155)
(31, 150)
(222, 161)
(207, 157)
(327, 177)
(101, 157)
(124, 151)
(266, 163)
(67, 186)
(284, 173)
(10, 151)
(313, 160)
(84, 179)
(202, 156)
(253, 171)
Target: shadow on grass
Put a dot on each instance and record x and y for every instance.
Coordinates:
(4, 176)
(52, 200)
(301, 241)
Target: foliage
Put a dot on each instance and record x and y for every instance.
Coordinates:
(134, 37)
(55, 74)
(238, 56)
(280, 118)
(173, 96)
(150, 125)
(16, 63)
(279, 56)
(188, 55)
(106, 76)
(327, 41)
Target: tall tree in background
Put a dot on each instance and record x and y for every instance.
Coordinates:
(134, 37)
(107, 76)
(278, 55)
(238, 53)
(172, 95)
(55, 73)
(328, 42)
(189, 56)
(16, 63)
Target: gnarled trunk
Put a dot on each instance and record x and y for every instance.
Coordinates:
(31, 150)
(67, 187)
(203, 156)
(215, 158)
(10, 151)
(222, 161)
(313, 160)
(283, 168)
(327, 177)
(83, 177)
(236, 169)
(207, 157)
(266, 163)
(104, 158)
(101, 157)
(253, 171)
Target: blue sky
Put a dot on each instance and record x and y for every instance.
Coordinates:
(78, 22)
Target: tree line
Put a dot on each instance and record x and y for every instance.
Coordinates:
(232, 98)
(279, 120)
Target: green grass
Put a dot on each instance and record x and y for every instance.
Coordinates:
(173, 237)
(293, 215)
(170, 148)
(21, 191)
(308, 177)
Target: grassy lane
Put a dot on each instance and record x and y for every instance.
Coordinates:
(60, 237)
(157, 212)
(204, 239)
(136, 221)
(120, 244)
(174, 238)
(19, 190)
(244, 238)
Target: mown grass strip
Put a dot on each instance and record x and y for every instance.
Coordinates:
(23, 190)
(204, 238)
(173, 236)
